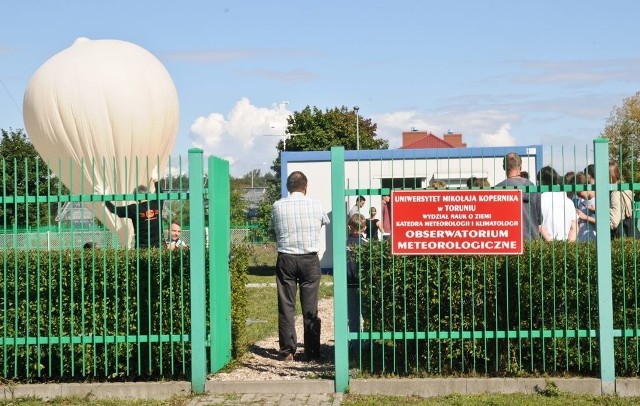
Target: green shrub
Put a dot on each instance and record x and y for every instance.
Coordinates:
(498, 315)
(238, 265)
(81, 313)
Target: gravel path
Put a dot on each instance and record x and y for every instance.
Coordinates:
(261, 362)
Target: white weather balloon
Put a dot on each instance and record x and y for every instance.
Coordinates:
(103, 113)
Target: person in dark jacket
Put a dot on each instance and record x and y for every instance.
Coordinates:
(145, 216)
(357, 227)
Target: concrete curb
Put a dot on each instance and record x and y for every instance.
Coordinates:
(126, 390)
(427, 387)
(431, 387)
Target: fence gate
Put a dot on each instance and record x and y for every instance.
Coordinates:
(70, 311)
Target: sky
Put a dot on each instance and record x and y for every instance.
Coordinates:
(502, 73)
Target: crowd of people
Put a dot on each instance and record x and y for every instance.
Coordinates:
(549, 215)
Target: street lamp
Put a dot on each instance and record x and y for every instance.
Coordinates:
(356, 108)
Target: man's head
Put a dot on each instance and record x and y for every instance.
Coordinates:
(548, 176)
(140, 189)
(386, 198)
(590, 171)
(360, 201)
(512, 163)
(297, 182)
(175, 231)
(471, 182)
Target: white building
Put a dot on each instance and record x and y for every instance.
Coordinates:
(370, 170)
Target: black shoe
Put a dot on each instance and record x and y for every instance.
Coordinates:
(286, 357)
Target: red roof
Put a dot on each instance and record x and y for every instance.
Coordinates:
(428, 141)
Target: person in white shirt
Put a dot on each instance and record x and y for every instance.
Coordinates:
(360, 201)
(559, 217)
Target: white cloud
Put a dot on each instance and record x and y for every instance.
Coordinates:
(502, 137)
(478, 128)
(244, 137)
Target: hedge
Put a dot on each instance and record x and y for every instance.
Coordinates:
(57, 294)
(552, 287)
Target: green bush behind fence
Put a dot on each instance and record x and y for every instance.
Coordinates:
(501, 315)
(88, 314)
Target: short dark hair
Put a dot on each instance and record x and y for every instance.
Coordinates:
(548, 176)
(590, 170)
(581, 178)
(296, 182)
(360, 199)
(471, 182)
(140, 189)
(511, 161)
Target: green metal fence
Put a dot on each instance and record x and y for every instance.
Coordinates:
(558, 308)
(104, 311)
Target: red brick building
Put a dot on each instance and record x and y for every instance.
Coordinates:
(424, 139)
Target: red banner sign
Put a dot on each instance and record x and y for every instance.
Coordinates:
(456, 222)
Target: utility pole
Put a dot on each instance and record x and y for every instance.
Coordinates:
(356, 108)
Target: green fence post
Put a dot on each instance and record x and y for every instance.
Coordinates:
(197, 272)
(603, 241)
(339, 235)
(220, 283)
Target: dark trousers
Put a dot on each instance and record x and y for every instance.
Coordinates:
(353, 308)
(292, 270)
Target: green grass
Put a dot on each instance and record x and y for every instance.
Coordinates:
(262, 303)
(262, 313)
(262, 264)
(562, 399)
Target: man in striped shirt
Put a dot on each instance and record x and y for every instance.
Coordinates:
(297, 222)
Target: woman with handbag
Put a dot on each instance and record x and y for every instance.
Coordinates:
(621, 203)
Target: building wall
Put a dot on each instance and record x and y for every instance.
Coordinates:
(367, 169)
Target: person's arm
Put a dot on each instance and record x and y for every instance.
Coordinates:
(583, 216)
(118, 211)
(536, 199)
(544, 233)
(615, 213)
(573, 231)
(379, 223)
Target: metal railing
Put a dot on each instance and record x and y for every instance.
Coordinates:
(548, 310)
(70, 311)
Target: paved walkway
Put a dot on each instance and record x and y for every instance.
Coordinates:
(302, 399)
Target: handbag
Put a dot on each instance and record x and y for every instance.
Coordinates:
(627, 226)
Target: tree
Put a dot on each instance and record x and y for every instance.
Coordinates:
(253, 178)
(317, 130)
(238, 204)
(623, 132)
(23, 172)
